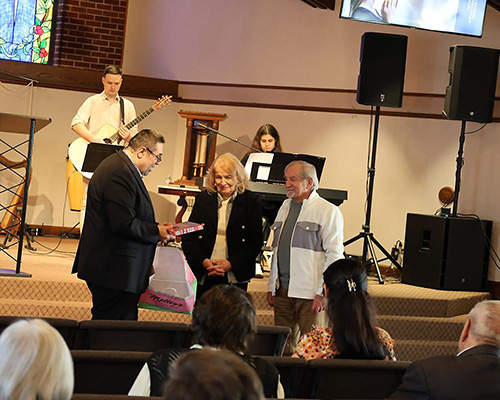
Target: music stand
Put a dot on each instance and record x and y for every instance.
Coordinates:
(22, 124)
(96, 153)
(274, 170)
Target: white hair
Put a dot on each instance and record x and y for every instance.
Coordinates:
(485, 321)
(35, 363)
(306, 171)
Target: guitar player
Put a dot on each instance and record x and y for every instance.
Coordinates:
(102, 109)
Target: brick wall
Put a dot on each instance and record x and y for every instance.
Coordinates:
(92, 34)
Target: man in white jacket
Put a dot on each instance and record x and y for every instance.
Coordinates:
(308, 237)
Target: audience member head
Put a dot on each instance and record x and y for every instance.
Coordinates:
(267, 139)
(35, 363)
(227, 175)
(482, 325)
(351, 312)
(224, 317)
(212, 375)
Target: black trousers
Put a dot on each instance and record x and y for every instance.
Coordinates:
(211, 281)
(113, 304)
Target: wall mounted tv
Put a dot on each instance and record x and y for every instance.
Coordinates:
(464, 17)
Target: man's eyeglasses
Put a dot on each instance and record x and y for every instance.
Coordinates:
(157, 157)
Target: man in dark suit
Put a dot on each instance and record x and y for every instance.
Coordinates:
(474, 373)
(118, 242)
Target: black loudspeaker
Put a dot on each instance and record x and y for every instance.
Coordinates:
(473, 78)
(446, 252)
(382, 70)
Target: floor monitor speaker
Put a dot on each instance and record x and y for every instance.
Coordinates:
(446, 252)
(473, 77)
(382, 69)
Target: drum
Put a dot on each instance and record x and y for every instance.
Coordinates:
(74, 182)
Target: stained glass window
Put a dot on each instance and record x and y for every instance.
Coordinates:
(25, 30)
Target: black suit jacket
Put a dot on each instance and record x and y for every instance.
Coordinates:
(119, 237)
(475, 374)
(243, 233)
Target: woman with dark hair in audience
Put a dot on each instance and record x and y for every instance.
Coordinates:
(352, 332)
(35, 362)
(212, 375)
(223, 319)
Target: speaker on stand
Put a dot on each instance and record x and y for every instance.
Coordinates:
(380, 83)
(450, 251)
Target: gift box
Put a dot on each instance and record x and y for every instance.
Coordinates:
(172, 287)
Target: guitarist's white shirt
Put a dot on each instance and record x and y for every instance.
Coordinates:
(98, 111)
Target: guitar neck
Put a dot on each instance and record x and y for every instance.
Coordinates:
(134, 122)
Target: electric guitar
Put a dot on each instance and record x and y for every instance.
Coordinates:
(108, 134)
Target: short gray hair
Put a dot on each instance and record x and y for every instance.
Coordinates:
(306, 171)
(36, 362)
(485, 321)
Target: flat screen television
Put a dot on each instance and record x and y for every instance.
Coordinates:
(465, 17)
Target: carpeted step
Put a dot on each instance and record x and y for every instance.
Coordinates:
(44, 290)
(40, 308)
(422, 328)
(81, 311)
(408, 300)
(411, 350)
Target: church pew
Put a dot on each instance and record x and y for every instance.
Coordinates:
(106, 372)
(355, 379)
(295, 375)
(66, 327)
(86, 396)
(130, 335)
(268, 341)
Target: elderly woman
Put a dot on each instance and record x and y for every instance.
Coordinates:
(224, 251)
(35, 363)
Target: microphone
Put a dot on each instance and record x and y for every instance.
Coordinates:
(198, 123)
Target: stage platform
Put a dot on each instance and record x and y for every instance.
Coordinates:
(422, 321)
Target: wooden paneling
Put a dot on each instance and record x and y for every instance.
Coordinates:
(69, 78)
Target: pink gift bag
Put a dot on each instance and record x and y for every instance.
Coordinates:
(173, 285)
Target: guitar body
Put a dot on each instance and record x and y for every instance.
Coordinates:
(78, 148)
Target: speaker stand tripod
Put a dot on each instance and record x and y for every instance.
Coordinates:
(458, 172)
(368, 239)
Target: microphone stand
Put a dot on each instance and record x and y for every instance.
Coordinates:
(211, 131)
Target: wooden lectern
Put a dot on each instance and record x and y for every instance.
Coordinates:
(199, 153)
(24, 125)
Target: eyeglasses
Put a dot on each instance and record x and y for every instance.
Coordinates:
(157, 157)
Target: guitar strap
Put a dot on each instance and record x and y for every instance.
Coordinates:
(122, 110)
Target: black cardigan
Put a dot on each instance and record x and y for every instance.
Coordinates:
(243, 233)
